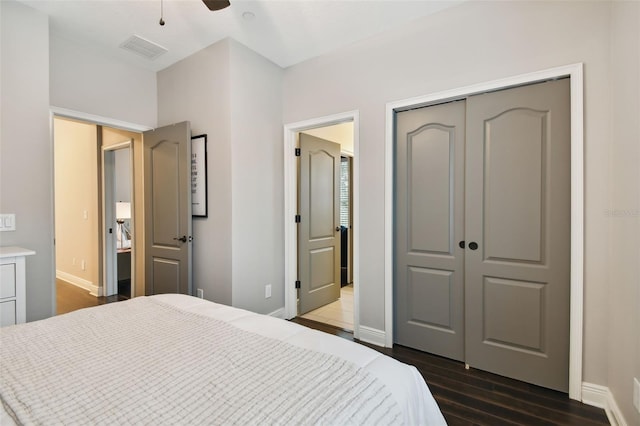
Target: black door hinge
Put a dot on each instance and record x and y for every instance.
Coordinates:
(298, 153)
(298, 218)
(297, 284)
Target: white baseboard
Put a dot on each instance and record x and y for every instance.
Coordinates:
(372, 335)
(278, 313)
(93, 289)
(601, 396)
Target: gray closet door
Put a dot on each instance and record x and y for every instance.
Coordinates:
(518, 213)
(319, 228)
(501, 304)
(429, 188)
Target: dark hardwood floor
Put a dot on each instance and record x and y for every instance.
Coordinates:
(70, 298)
(474, 397)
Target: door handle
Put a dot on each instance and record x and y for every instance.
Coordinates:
(461, 244)
(337, 229)
(183, 239)
(473, 245)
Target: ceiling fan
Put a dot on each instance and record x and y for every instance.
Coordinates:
(213, 5)
(216, 4)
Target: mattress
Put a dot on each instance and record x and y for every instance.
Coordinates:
(176, 359)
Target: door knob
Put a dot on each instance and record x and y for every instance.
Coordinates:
(337, 229)
(461, 244)
(183, 239)
(473, 245)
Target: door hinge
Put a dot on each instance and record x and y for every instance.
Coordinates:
(298, 218)
(297, 284)
(298, 153)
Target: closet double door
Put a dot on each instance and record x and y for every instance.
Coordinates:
(482, 231)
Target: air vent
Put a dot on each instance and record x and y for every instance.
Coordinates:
(143, 47)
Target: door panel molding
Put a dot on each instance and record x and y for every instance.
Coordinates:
(526, 190)
(575, 73)
(435, 141)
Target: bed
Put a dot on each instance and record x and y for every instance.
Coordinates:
(177, 359)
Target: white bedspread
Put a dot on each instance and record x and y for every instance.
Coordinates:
(174, 359)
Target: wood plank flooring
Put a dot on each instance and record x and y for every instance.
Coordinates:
(474, 397)
(71, 298)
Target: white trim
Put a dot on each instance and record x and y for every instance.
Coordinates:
(109, 256)
(290, 209)
(601, 397)
(573, 71)
(372, 335)
(79, 282)
(99, 120)
(278, 313)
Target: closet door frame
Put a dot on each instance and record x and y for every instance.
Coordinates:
(575, 73)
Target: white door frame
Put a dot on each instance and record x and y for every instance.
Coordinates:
(291, 203)
(575, 72)
(109, 257)
(89, 118)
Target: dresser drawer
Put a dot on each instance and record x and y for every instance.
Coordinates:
(8, 313)
(7, 280)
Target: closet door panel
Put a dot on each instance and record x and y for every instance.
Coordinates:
(518, 213)
(429, 185)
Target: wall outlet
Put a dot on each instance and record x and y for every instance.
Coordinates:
(200, 293)
(73, 261)
(267, 291)
(636, 394)
(83, 265)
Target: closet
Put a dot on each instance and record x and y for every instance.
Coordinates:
(482, 231)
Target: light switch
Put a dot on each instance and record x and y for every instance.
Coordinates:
(7, 222)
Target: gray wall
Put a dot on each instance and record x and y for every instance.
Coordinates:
(623, 215)
(84, 81)
(472, 43)
(197, 89)
(235, 97)
(257, 180)
(25, 147)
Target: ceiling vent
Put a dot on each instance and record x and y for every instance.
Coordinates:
(143, 47)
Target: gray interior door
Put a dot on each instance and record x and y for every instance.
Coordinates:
(167, 203)
(429, 263)
(518, 225)
(501, 304)
(319, 228)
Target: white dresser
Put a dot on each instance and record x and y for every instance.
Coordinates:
(13, 309)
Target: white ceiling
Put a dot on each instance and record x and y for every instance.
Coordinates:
(285, 31)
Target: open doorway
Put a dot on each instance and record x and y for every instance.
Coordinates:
(340, 312)
(81, 213)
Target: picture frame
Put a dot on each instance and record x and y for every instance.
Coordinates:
(199, 193)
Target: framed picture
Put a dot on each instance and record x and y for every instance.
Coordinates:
(199, 176)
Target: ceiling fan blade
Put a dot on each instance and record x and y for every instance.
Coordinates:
(216, 4)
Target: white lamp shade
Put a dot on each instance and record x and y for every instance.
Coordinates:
(123, 210)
